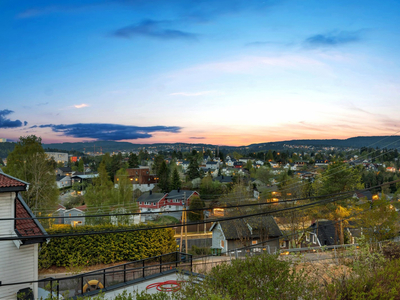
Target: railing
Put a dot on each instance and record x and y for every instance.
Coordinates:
(80, 284)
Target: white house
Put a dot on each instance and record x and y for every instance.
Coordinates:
(18, 258)
(63, 181)
(212, 165)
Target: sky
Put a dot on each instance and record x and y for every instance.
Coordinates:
(225, 72)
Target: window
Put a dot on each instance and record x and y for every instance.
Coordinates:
(314, 240)
(254, 242)
(222, 244)
(307, 237)
(283, 244)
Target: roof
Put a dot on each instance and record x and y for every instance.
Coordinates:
(10, 184)
(65, 169)
(153, 197)
(180, 194)
(82, 207)
(28, 226)
(238, 228)
(364, 194)
(266, 223)
(86, 176)
(234, 229)
(223, 179)
(211, 163)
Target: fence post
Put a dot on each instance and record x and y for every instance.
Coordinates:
(143, 268)
(191, 263)
(160, 264)
(51, 288)
(82, 285)
(104, 278)
(125, 273)
(58, 288)
(176, 260)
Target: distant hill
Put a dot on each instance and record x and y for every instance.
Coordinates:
(111, 146)
(354, 142)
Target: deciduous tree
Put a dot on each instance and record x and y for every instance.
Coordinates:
(28, 162)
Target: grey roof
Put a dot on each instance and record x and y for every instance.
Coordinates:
(260, 226)
(86, 176)
(175, 194)
(264, 226)
(364, 194)
(65, 169)
(223, 179)
(211, 163)
(147, 197)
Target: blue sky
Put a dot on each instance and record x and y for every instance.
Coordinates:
(221, 72)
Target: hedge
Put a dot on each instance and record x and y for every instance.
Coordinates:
(104, 248)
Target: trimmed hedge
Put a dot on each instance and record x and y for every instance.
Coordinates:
(104, 248)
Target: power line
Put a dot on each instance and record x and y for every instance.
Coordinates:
(203, 209)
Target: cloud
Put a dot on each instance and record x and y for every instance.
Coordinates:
(192, 94)
(333, 39)
(197, 137)
(154, 29)
(42, 104)
(111, 132)
(7, 123)
(81, 105)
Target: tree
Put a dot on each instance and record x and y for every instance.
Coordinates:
(196, 203)
(133, 161)
(99, 193)
(81, 165)
(28, 162)
(176, 180)
(123, 194)
(163, 175)
(339, 177)
(193, 169)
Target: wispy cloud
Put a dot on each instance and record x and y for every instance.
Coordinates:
(81, 105)
(197, 137)
(7, 123)
(333, 39)
(112, 132)
(185, 94)
(153, 29)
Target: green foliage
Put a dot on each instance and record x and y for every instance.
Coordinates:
(133, 161)
(104, 248)
(28, 162)
(193, 169)
(176, 180)
(258, 277)
(196, 203)
(123, 194)
(208, 187)
(163, 175)
(99, 193)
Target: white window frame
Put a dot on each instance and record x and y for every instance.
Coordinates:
(314, 240)
(307, 237)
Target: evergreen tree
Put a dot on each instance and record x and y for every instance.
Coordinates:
(133, 161)
(193, 169)
(163, 182)
(29, 163)
(176, 180)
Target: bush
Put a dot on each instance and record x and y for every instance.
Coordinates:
(104, 248)
(258, 277)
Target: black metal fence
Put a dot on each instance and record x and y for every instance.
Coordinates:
(103, 278)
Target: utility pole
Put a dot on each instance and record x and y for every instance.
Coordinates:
(185, 203)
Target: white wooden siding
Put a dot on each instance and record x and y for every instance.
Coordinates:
(15, 264)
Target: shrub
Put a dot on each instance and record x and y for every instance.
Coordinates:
(104, 248)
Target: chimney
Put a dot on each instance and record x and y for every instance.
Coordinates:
(151, 192)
